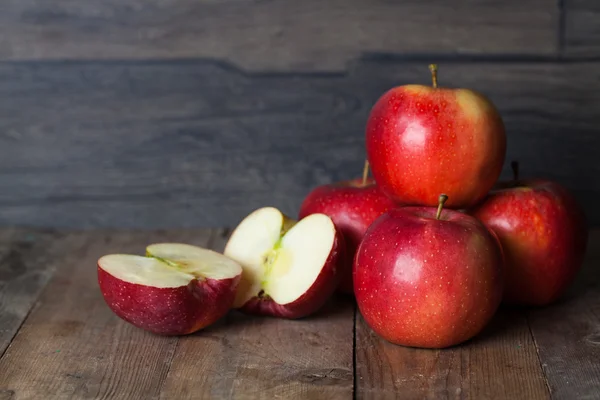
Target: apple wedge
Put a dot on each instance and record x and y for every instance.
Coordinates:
(290, 268)
(176, 289)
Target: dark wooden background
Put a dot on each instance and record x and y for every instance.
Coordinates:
(152, 113)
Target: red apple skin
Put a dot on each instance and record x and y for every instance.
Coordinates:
(313, 299)
(422, 141)
(422, 282)
(352, 207)
(544, 235)
(169, 311)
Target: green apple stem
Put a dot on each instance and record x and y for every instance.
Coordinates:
(365, 173)
(515, 168)
(434, 68)
(441, 202)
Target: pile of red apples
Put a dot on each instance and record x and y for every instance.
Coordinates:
(430, 246)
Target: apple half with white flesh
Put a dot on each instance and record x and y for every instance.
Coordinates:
(176, 289)
(290, 268)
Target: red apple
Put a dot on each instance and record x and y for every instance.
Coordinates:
(428, 279)
(290, 268)
(177, 289)
(544, 236)
(353, 206)
(422, 141)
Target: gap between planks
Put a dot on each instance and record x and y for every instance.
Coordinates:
(539, 358)
(24, 272)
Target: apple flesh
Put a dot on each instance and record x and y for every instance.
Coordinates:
(426, 282)
(422, 141)
(290, 268)
(544, 236)
(353, 206)
(176, 290)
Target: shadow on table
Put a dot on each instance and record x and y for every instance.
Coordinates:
(339, 306)
(584, 287)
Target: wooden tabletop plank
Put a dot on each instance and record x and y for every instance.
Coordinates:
(267, 358)
(501, 363)
(24, 271)
(72, 344)
(568, 333)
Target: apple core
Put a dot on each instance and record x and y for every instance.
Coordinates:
(281, 258)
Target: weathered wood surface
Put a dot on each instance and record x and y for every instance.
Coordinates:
(193, 143)
(501, 363)
(72, 346)
(568, 334)
(273, 35)
(267, 358)
(582, 28)
(25, 268)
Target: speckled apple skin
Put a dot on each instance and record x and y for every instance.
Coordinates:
(544, 235)
(313, 299)
(423, 141)
(352, 207)
(169, 311)
(422, 282)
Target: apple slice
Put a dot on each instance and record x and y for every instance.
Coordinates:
(353, 206)
(176, 289)
(290, 268)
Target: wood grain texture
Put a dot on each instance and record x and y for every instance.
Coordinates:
(273, 35)
(24, 271)
(582, 30)
(501, 363)
(201, 144)
(568, 333)
(245, 357)
(72, 345)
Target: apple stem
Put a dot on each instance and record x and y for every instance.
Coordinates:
(441, 202)
(365, 173)
(434, 68)
(515, 168)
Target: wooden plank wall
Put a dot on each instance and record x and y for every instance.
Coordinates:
(582, 33)
(193, 113)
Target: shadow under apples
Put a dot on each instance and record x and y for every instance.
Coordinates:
(338, 304)
(507, 322)
(587, 280)
(235, 320)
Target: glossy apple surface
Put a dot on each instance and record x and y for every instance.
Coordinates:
(290, 268)
(544, 236)
(353, 206)
(178, 290)
(423, 140)
(424, 282)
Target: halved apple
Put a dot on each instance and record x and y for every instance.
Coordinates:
(175, 290)
(290, 268)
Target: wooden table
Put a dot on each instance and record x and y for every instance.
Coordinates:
(58, 339)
